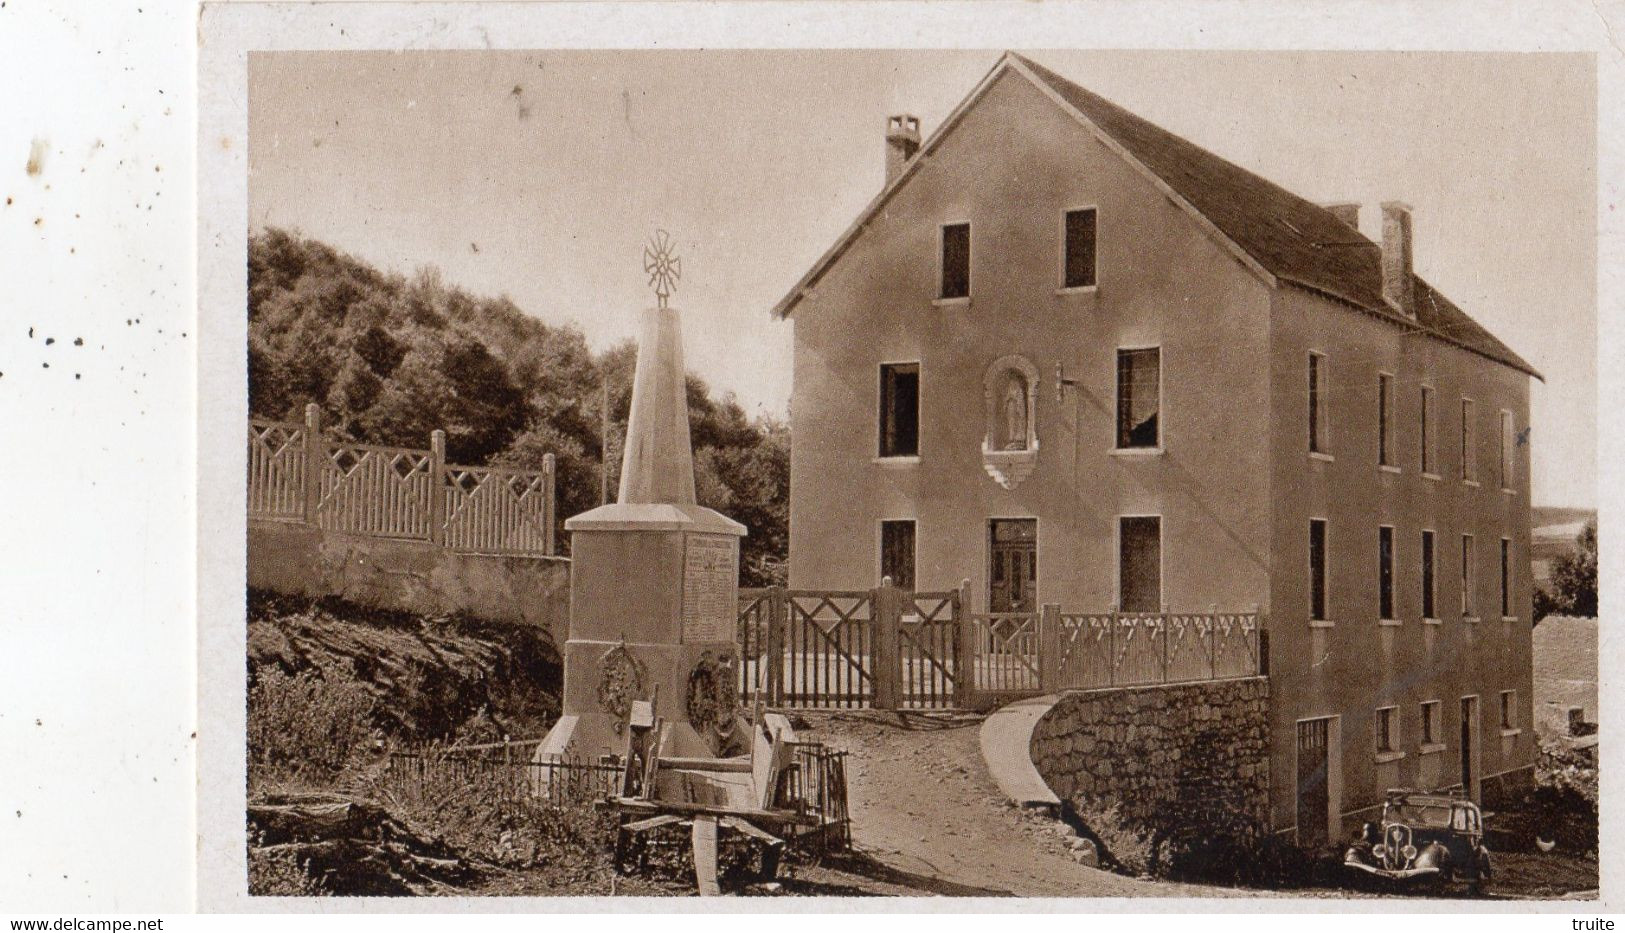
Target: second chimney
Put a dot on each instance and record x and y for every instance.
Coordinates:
(902, 141)
(1397, 286)
(1348, 212)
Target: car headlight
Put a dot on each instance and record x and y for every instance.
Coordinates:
(1409, 852)
(1379, 850)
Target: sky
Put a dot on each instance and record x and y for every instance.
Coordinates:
(540, 175)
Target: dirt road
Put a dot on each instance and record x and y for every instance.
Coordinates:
(923, 804)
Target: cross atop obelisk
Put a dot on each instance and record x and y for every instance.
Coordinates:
(663, 268)
(657, 461)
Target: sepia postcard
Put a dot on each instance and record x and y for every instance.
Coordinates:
(880, 461)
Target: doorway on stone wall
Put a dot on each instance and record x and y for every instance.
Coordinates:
(1013, 565)
(1314, 788)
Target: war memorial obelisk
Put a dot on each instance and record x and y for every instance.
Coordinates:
(654, 577)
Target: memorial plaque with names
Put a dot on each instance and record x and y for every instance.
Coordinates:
(710, 588)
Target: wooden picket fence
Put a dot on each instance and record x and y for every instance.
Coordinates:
(887, 648)
(295, 474)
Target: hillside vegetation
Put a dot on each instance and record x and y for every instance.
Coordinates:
(403, 676)
(391, 358)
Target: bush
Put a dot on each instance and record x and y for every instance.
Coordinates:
(305, 726)
(1214, 842)
(1564, 800)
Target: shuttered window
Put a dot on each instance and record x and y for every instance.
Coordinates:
(955, 261)
(1317, 569)
(1429, 610)
(1139, 563)
(1385, 572)
(900, 410)
(1079, 263)
(1139, 377)
(1385, 417)
(897, 552)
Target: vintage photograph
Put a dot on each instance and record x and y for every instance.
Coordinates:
(1049, 473)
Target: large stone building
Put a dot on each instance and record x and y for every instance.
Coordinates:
(1077, 359)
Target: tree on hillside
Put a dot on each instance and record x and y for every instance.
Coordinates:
(1572, 590)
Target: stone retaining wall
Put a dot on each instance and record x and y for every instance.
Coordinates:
(1197, 751)
(412, 576)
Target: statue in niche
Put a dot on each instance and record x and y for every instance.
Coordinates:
(1015, 412)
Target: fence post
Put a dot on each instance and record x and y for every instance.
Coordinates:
(1049, 647)
(550, 477)
(313, 460)
(1111, 646)
(964, 648)
(777, 612)
(1213, 641)
(437, 486)
(886, 608)
(1261, 642)
(1162, 624)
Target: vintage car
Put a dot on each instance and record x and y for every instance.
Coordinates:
(1422, 837)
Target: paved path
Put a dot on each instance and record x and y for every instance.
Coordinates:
(1006, 738)
(923, 803)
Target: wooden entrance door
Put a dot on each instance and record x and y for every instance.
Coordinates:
(1013, 570)
(1314, 795)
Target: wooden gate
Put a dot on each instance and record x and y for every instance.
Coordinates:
(847, 649)
(928, 649)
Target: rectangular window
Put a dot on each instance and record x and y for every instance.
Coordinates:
(1428, 466)
(1317, 403)
(1428, 587)
(1080, 249)
(1317, 569)
(900, 410)
(1385, 411)
(1385, 572)
(1509, 709)
(1139, 377)
(1385, 729)
(1469, 456)
(1506, 578)
(955, 261)
(897, 552)
(1509, 443)
(1468, 577)
(1139, 563)
(1430, 722)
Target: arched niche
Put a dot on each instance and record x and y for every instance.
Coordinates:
(1010, 442)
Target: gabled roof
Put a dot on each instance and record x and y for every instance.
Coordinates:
(1281, 237)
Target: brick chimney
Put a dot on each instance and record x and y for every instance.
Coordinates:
(1397, 288)
(902, 141)
(1348, 212)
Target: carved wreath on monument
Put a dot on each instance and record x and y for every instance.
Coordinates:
(620, 681)
(713, 694)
